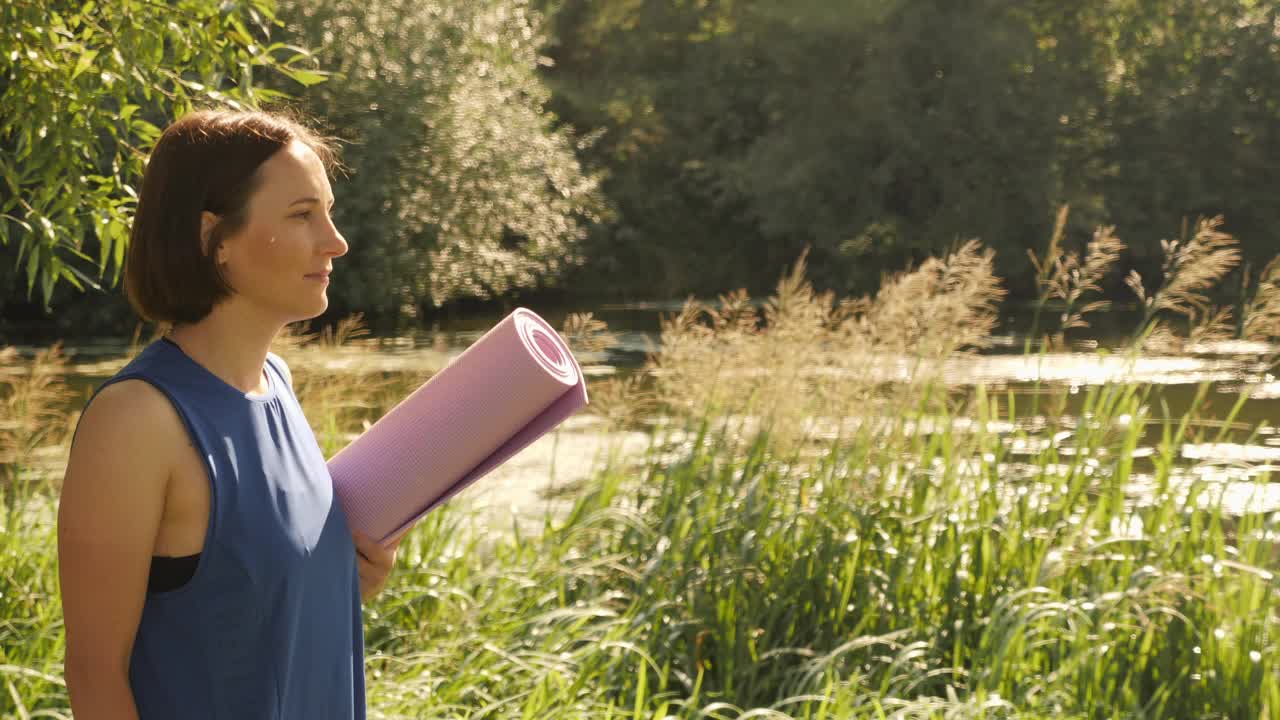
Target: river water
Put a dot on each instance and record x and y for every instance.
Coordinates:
(571, 455)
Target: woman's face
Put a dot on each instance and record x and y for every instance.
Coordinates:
(280, 258)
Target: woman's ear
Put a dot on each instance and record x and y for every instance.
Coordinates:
(208, 221)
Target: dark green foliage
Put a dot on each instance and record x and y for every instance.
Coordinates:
(737, 132)
(458, 186)
(727, 135)
(84, 90)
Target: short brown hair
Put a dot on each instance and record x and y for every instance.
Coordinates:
(205, 160)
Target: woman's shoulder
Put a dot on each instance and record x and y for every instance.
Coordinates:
(130, 408)
(121, 456)
(131, 394)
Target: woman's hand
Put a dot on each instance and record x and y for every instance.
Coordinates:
(374, 563)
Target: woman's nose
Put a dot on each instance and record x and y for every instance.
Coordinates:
(337, 243)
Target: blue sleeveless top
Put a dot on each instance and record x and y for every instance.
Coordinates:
(269, 626)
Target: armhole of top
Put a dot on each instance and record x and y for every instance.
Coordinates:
(203, 452)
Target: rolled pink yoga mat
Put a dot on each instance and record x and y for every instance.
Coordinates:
(508, 389)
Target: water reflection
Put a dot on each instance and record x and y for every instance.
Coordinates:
(1084, 369)
(1231, 367)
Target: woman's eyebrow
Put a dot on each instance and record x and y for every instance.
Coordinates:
(305, 200)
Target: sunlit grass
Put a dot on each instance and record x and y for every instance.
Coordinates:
(902, 566)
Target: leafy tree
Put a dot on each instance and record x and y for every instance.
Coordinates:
(1193, 120)
(84, 88)
(458, 186)
(896, 128)
(872, 131)
(735, 132)
(726, 135)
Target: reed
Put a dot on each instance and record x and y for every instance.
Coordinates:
(1194, 264)
(339, 405)
(32, 418)
(1261, 314)
(1066, 279)
(32, 394)
(803, 360)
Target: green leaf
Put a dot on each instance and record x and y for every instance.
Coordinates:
(33, 265)
(102, 228)
(77, 273)
(67, 274)
(269, 94)
(49, 279)
(145, 130)
(240, 33)
(49, 230)
(69, 248)
(65, 177)
(118, 243)
(26, 226)
(296, 49)
(306, 77)
(84, 63)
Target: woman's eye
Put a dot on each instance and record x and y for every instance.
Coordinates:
(305, 215)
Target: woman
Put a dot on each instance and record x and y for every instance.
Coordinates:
(207, 570)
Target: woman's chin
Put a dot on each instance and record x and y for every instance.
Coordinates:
(316, 309)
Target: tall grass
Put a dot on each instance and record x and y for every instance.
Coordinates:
(885, 573)
(805, 359)
(31, 641)
(821, 528)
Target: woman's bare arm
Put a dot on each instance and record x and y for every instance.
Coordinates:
(108, 516)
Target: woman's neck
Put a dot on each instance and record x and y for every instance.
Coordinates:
(229, 345)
